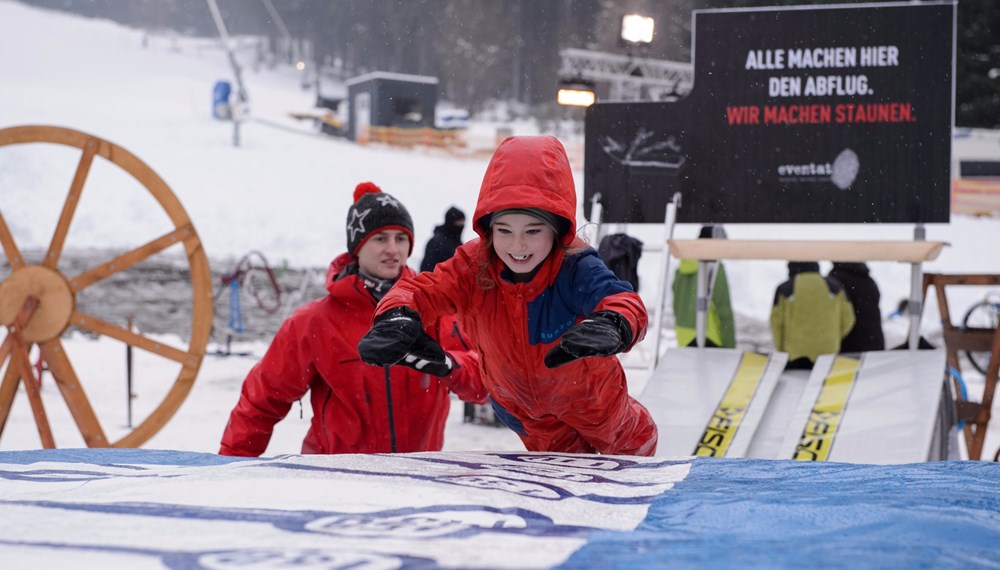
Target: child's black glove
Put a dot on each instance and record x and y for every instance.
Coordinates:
(601, 334)
(398, 337)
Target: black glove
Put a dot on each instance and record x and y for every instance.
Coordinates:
(391, 337)
(426, 355)
(601, 334)
(398, 337)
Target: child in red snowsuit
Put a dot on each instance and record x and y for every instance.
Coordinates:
(543, 311)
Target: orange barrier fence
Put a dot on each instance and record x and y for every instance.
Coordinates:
(457, 142)
(395, 136)
(978, 197)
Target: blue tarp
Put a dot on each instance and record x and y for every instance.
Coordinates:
(150, 509)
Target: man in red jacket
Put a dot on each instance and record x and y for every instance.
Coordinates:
(357, 408)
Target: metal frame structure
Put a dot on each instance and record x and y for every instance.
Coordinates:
(630, 78)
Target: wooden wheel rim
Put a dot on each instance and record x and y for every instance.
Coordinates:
(31, 279)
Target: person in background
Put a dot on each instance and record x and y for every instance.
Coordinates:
(545, 314)
(621, 253)
(442, 245)
(863, 293)
(446, 239)
(721, 329)
(810, 315)
(315, 351)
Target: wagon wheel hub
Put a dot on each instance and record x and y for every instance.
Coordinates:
(55, 301)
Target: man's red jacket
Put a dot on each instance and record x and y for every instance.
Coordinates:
(316, 351)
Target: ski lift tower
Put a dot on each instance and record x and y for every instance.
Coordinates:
(239, 109)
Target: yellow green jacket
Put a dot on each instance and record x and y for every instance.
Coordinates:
(720, 329)
(810, 316)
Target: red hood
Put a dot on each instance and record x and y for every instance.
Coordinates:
(336, 266)
(528, 172)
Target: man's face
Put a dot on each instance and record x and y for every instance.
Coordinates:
(384, 254)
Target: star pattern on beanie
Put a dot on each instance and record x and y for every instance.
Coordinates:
(356, 225)
(387, 200)
(372, 212)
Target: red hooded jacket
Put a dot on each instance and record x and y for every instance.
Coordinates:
(583, 406)
(316, 351)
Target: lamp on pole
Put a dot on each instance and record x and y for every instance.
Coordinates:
(576, 92)
(637, 30)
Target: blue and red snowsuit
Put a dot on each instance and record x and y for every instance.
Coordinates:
(583, 406)
(315, 351)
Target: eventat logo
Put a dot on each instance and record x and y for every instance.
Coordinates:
(841, 172)
(845, 169)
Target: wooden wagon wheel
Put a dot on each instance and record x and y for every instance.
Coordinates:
(38, 303)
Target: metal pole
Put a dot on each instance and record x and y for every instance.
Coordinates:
(241, 93)
(277, 20)
(701, 303)
(669, 220)
(392, 420)
(596, 211)
(915, 306)
(128, 378)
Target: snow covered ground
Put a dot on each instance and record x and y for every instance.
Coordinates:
(285, 190)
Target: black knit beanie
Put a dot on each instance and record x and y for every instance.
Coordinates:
(374, 211)
(453, 215)
(558, 224)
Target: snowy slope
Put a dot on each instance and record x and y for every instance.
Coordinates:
(284, 191)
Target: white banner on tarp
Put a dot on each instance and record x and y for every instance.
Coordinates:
(142, 509)
(881, 408)
(710, 401)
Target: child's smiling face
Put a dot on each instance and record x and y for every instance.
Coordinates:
(521, 241)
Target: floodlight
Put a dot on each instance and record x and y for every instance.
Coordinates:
(637, 29)
(576, 92)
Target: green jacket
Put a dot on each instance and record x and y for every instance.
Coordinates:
(810, 316)
(720, 329)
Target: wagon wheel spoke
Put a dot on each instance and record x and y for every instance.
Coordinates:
(5, 348)
(130, 258)
(93, 324)
(76, 399)
(9, 247)
(69, 207)
(21, 361)
(13, 345)
(7, 390)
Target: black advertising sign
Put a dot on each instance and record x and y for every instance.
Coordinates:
(798, 115)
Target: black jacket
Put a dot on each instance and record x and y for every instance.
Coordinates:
(621, 254)
(442, 246)
(863, 293)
